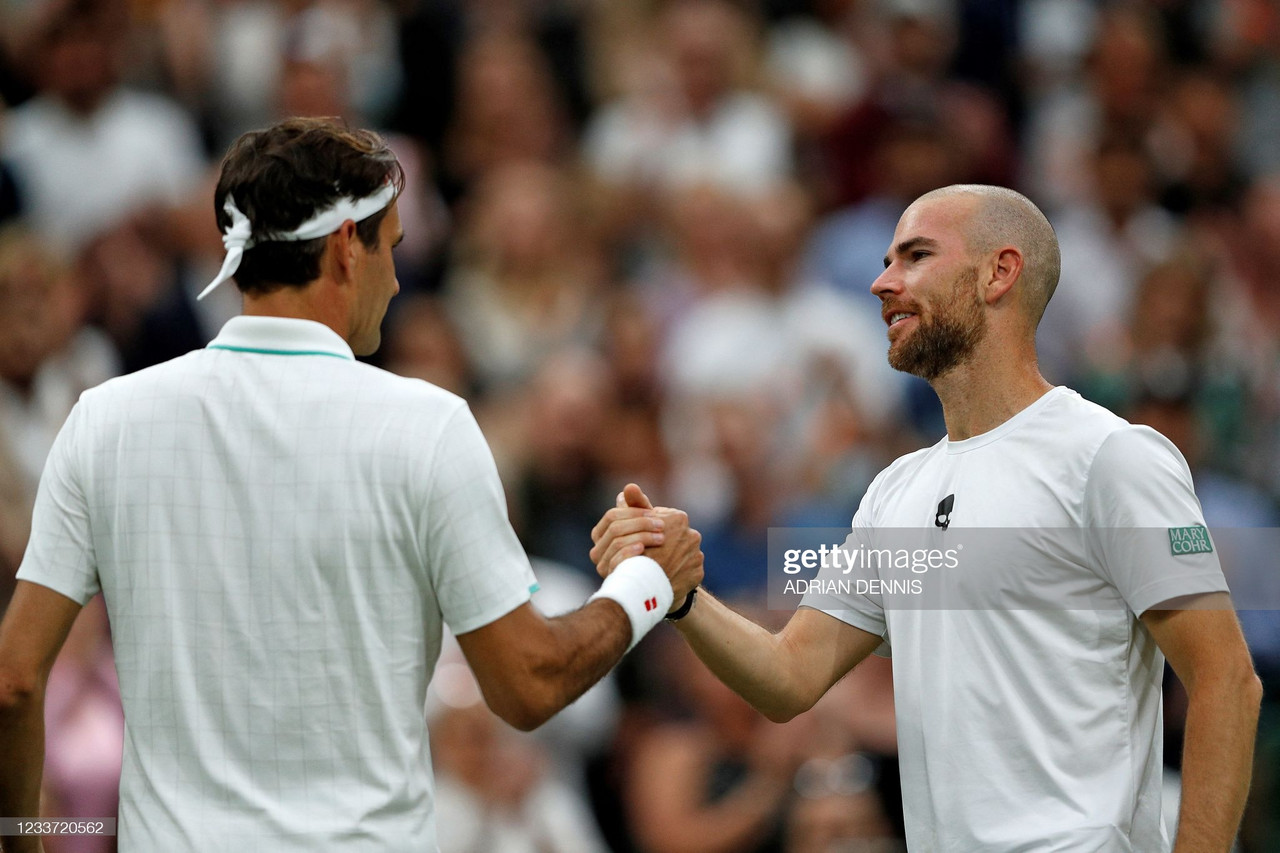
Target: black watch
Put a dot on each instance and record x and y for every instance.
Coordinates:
(677, 615)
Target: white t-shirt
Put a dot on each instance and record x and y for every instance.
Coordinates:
(278, 531)
(81, 175)
(743, 145)
(1038, 728)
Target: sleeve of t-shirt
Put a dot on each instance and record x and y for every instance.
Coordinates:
(476, 564)
(60, 553)
(1144, 523)
(861, 610)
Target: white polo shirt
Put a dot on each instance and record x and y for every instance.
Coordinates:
(279, 532)
(1036, 727)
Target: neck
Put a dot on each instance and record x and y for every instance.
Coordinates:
(995, 383)
(301, 303)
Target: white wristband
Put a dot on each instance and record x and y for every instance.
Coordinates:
(641, 587)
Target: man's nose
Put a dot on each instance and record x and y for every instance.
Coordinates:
(886, 284)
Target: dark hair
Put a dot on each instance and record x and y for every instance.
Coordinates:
(281, 176)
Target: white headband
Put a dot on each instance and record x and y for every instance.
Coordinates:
(239, 237)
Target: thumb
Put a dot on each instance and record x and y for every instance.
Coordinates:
(632, 496)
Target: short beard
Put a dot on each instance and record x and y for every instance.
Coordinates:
(944, 340)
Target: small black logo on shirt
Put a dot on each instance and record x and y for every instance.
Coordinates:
(943, 518)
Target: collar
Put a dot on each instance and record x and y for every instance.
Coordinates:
(281, 336)
(998, 432)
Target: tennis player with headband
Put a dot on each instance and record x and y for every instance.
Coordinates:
(279, 532)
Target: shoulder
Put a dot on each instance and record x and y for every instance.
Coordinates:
(1103, 446)
(1105, 436)
(403, 390)
(1070, 427)
(904, 469)
(1138, 477)
(1075, 413)
(175, 373)
(413, 413)
(909, 463)
(1133, 451)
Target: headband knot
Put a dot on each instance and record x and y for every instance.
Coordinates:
(238, 239)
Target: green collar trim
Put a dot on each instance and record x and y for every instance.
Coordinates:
(279, 351)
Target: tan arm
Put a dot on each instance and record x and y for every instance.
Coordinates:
(529, 667)
(781, 674)
(34, 629)
(1207, 651)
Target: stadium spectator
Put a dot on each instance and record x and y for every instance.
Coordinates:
(1117, 93)
(525, 278)
(688, 116)
(48, 356)
(496, 788)
(1109, 239)
(718, 781)
(508, 112)
(86, 151)
(1171, 346)
(559, 454)
(910, 86)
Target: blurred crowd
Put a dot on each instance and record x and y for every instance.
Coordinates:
(640, 237)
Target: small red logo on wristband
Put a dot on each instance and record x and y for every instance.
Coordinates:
(650, 604)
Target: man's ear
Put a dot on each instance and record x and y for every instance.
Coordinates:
(342, 252)
(1005, 270)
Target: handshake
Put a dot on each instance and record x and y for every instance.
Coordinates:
(635, 527)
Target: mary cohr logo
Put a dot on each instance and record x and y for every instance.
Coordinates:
(1189, 540)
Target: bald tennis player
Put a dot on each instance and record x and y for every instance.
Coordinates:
(1033, 728)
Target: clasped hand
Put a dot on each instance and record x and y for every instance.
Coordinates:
(636, 527)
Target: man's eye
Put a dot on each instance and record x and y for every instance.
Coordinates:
(919, 254)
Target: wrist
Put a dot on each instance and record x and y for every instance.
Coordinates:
(642, 589)
(684, 609)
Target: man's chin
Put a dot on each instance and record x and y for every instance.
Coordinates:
(905, 360)
(901, 359)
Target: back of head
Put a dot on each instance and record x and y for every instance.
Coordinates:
(1003, 217)
(282, 176)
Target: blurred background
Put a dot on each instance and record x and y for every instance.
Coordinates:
(640, 237)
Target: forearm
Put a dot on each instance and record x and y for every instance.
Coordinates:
(22, 744)
(1217, 763)
(748, 658)
(593, 640)
(571, 654)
